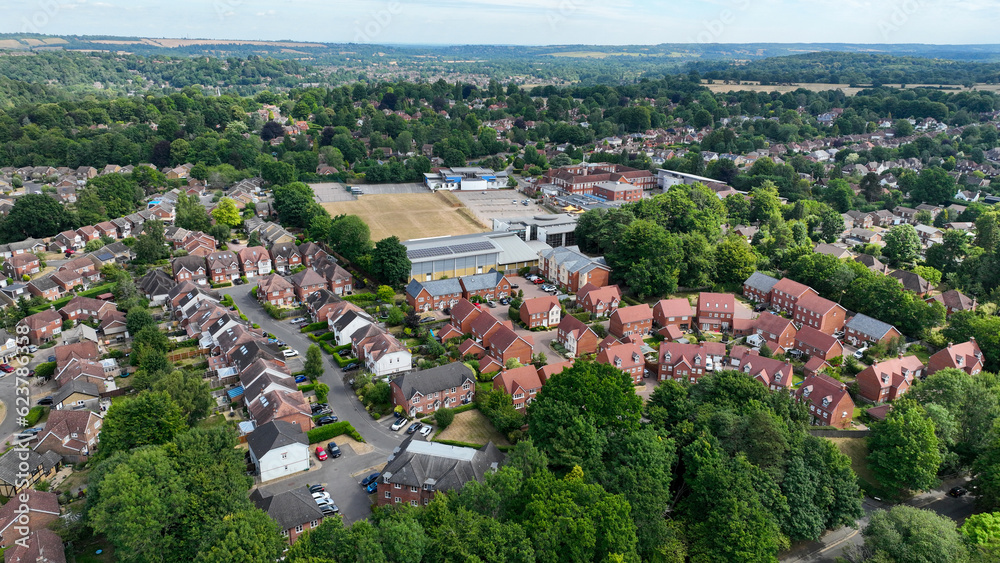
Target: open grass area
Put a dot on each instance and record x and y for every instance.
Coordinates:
(857, 450)
(407, 216)
(472, 427)
(86, 550)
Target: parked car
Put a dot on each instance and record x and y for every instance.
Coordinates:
(759, 307)
(514, 286)
(32, 431)
(301, 379)
(319, 406)
(957, 492)
(6, 368)
(297, 320)
(32, 349)
(290, 353)
(45, 401)
(51, 359)
(505, 301)
(329, 509)
(426, 430)
(372, 487)
(427, 320)
(370, 479)
(401, 422)
(320, 455)
(351, 366)
(323, 411)
(328, 419)
(491, 304)
(413, 428)
(860, 352)
(537, 281)
(333, 449)
(317, 489)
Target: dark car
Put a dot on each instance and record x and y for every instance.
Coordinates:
(334, 449)
(759, 307)
(323, 411)
(44, 401)
(329, 509)
(351, 366)
(505, 300)
(301, 379)
(413, 428)
(370, 479)
(319, 406)
(427, 320)
(51, 359)
(326, 420)
(957, 492)
(317, 489)
(514, 286)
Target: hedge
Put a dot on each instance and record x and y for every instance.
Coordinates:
(360, 298)
(221, 285)
(307, 388)
(33, 415)
(313, 327)
(329, 431)
(464, 408)
(328, 336)
(327, 348)
(341, 348)
(342, 362)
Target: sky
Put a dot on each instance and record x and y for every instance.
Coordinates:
(517, 22)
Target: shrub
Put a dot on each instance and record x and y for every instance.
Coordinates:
(222, 284)
(45, 370)
(272, 311)
(329, 431)
(321, 391)
(444, 417)
(34, 415)
(313, 327)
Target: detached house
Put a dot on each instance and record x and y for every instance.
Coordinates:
(73, 434)
(426, 391)
(776, 375)
(505, 345)
(306, 283)
(965, 356)
(275, 290)
(599, 301)
(83, 308)
(463, 314)
(190, 268)
(715, 311)
(22, 265)
(223, 266)
(311, 253)
(637, 319)
(418, 470)
(688, 362)
(626, 357)
(540, 312)
(278, 449)
(41, 327)
(255, 261)
(955, 301)
(285, 256)
(522, 384)
(829, 402)
(338, 280)
(673, 312)
(433, 295)
(772, 330)
(384, 355)
(46, 288)
(889, 379)
(864, 330)
(568, 268)
(576, 337)
(295, 511)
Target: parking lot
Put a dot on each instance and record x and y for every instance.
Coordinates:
(408, 188)
(329, 192)
(500, 204)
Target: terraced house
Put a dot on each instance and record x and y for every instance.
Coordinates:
(426, 391)
(571, 270)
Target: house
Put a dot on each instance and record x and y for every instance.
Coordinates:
(715, 311)
(190, 268)
(255, 261)
(278, 449)
(829, 402)
(66, 353)
(22, 265)
(338, 280)
(889, 379)
(626, 357)
(688, 362)
(425, 391)
(463, 314)
(46, 288)
(223, 266)
(912, 282)
(570, 269)
(814, 366)
(673, 312)
(908, 214)
(599, 301)
(786, 293)
(281, 405)
(772, 328)
(347, 324)
(83, 308)
(637, 319)
(323, 305)
(824, 315)
(107, 229)
(576, 337)
(832, 250)
(522, 384)
(66, 240)
(77, 394)
(541, 312)
(757, 287)
(275, 290)
(433, 295)
(295, 510)
(20, 469)
(83, 266)
(506, 345)
(306, 282)
(776, 375)
(12, 293)
(285, 256)
(814, 343)
(872, 263)
(40, 546)
(490, 286)
(485, 326)
(29, 510)
(41, 327)
(156, 286)
(384, 355)
(965, 356)
(73, 434)
(311, 253)
(418, 470)
(862, 329)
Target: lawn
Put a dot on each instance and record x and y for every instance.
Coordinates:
(86, 550)
(407, 216)
(857, 450)
(472, 427)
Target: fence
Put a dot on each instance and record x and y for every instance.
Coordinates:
(831, 433)
(177, 356)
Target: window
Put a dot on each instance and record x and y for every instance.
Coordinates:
(314, 524)
(284, 533)
(284, 455)
(396, 500)
(413, 489)
(387, 495)
(397, 486)
(298, 529)
(413, 503)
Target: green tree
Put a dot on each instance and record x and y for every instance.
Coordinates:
(647, 259)
(982, 535)
(246, 536)
(191, 214)
(151, 245)
(35, 216)
(831, 225)
(277, 173)
(350, 237)
(905, 534)
(444, 416)
(765, 204)
(137, 319)
(146, 419)
(735, 260)
(385, 293)
(225, 212)
(390, 263)
(904, 449)
(189, 391)
(314, 362)
(901, 245)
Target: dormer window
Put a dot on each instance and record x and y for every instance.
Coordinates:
(826, 401)
(959, 360)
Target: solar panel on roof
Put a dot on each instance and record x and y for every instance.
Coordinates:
(471, 247)
(427, 252)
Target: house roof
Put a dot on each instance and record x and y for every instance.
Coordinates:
(821, 388)
(276, 404)
(505, 337)
(769, 322)
(190, 263)
(955, 300)
(479, 282)
(968, 351)
(815, 303)
(284, 250)
(871, 263)
(525, 377)
(593, 294)
(417, 463)
(435, 288)
(463, 310)
(769, 370)
(76, 386)
(869, 326)
(433, 380)
(64, 424)
(538, 305)
(791, 287)
(911, 281)
(289, 508)
(306, 278)
(629, 353)
(254, 254)
(572, 260)
(83, 350)
(223, 259)
(572, 325)
(273, 282)
(10, 461)
(44, 318)
(36, 501)
(547, 371)
(667, 308)
(275, 434)
(816, 339)
(716, 302)
(760, 282)
(634, 314)
(42, 546)
(892, 372)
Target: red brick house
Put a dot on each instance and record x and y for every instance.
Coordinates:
(285, 256)
(626, 357)
(107, 229)
(41, 327)
(295, 511)
(757, 287)
(73, 434)
(687, 362)
(965, 356)
(284, 405)
(570, 269)
(637, 319)
(829, 402)
(673, 312)
(522, 384)
(491, 285)
(506, 345)
(889, 379)
(485, 326)
(311, 253)
(223, 266)
(190, 268)
(715, 311)
(425, 391)
(785, 294)
(540, 312)
(773, 328)
(419, 470)
(338, 280)
(83, 266)
(599, 301)
(433, 295)
(275, 290)
(954, 301)
(306, 283)
(576, 336)
(199, 244)
(864, 330)
(776, 375)
(824, 315)
(21, 265)
(617, 191)
(255, 261)
(818, 344)
(46, 287)
(83, 308)
(463, 314)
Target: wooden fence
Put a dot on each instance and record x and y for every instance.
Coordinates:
(183, 355)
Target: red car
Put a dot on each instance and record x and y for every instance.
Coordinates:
(6, 368)
(538, 281)
(321, 453)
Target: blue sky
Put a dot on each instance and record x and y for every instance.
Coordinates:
(532, 22)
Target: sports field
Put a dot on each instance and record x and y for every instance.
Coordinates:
(409, 216)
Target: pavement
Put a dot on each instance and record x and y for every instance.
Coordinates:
(499, 204)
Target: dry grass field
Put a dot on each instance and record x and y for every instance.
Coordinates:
(407, 216)
(719, 87)
(174, 43)
(472, 427)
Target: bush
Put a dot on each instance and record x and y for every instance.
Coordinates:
(321, 391)
(222, 284)
(444, 417)
(45, 370)
(329, 431)
(327, 336)
(312, 327)
(272, 311)
(307, 388)
(34, 415)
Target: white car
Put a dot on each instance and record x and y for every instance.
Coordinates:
(322, 498)
(290, 353)
(426, 430)
(400, 422)
(860, 352)
(297, 320)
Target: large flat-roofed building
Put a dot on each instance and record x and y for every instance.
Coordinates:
(554, 230)
(465, 179)
(581, 178)
(617, 191)
(466, 255)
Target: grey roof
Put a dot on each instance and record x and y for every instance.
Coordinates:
(349, 317)
(247, 353)
(571, 259)
(869, 326)
(191, 263)
(9, 463)
(252, 391)
(26, 244)
(44, 284)
(478, 282)
(434, 379)
(275, 434)
(416, 463)
(318, 299)
(761, 282)
(435, 287)
(437, 248)
(290, 508)
(76, 386)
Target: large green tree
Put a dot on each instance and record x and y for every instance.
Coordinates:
(151, 245)
(190, 391)
(35, 216)
(735, 260)
(390, 263)
(146, 419)
(902, 245)
(904, 449)
(226, 213)
(905, 534)
(350, 237)
(247, 536)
